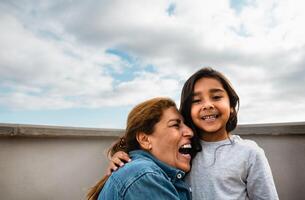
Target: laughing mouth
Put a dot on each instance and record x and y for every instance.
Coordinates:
(185, 149)
(209, 117)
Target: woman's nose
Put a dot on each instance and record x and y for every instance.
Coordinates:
(187, 131)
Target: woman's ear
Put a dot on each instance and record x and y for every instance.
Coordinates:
(144, 141)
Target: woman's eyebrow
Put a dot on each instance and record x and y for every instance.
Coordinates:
(174, 120)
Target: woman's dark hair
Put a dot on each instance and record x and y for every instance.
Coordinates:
(187, 98)
(142, 118)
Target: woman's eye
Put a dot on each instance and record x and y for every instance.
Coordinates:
(176, 125)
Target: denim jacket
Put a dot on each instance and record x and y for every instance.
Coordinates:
(145, 178)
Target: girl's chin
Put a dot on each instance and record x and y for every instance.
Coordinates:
(210, 128)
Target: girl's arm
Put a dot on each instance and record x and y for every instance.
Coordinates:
(260, 184)
(116, 161)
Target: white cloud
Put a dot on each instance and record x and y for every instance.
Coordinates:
(56, 50)
(30, 64)
(144, 86)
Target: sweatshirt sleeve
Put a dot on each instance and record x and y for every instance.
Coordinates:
(260, 184)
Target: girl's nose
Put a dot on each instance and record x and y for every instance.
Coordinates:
(207, 106)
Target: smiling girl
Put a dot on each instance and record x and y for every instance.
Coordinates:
(227, 167)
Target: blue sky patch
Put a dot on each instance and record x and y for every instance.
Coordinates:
(132, 65)
(241, 31)
(123, 55)
(78, 117)
(129, 65)
(238, 5)
(171, 9)
(5, 90)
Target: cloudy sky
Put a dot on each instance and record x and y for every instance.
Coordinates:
(87, 63)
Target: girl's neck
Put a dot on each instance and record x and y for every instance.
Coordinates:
(215, 137)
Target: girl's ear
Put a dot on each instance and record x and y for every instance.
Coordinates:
(231, 110)
(144, 141)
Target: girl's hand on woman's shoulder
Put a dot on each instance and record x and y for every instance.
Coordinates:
(116, 161)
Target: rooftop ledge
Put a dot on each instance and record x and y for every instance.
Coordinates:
(23, 130)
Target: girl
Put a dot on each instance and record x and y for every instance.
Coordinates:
(225, 166)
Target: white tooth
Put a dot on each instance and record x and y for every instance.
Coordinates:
(209, 117)
(187, 146)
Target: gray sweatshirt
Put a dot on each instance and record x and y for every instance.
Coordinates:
(236, 169)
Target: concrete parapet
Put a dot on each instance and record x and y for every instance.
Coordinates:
(53, 162)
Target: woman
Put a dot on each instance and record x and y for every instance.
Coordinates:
(159, 144)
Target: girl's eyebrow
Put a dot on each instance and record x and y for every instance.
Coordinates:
(195, 94)
(214, 90)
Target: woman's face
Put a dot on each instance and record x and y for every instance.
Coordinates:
(171, 140)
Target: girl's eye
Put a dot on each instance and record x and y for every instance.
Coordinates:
(195, 100)
(217, 97)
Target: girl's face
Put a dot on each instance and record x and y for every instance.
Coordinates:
(210, 109)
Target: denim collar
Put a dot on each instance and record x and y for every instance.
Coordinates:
(173, 173)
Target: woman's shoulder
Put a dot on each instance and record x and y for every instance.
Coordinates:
(136, 168)
(141, 165)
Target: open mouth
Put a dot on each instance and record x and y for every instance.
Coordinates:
(185, 149)
(209, 117)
